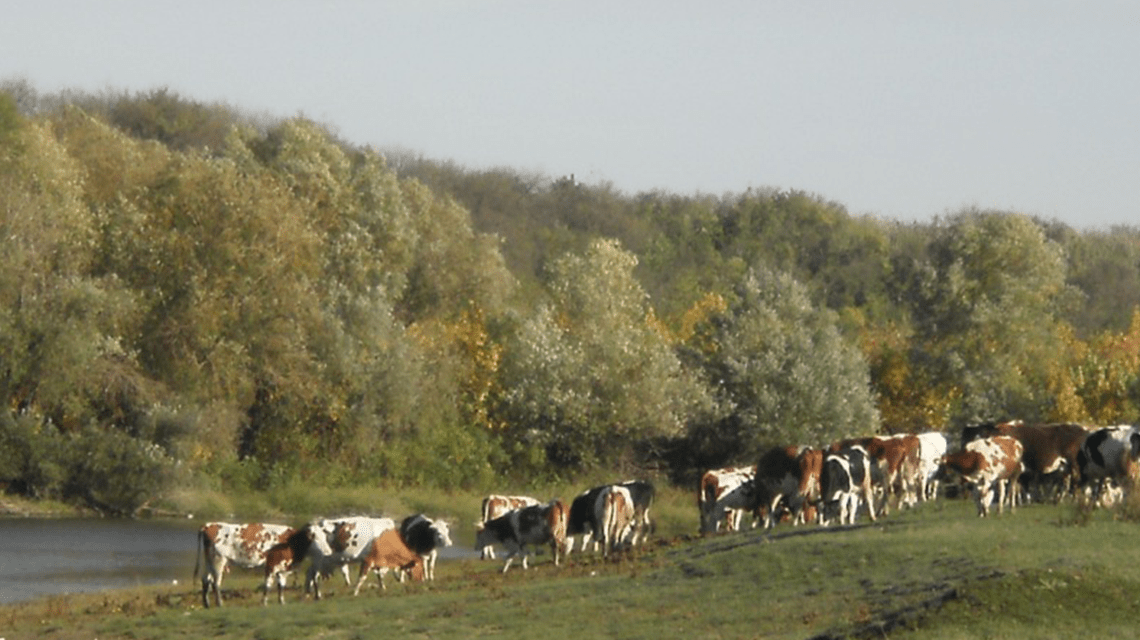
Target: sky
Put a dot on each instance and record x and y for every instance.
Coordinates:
(897, 109)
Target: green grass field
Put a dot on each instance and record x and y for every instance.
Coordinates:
(934, 572)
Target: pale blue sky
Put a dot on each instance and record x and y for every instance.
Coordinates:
(897, 109)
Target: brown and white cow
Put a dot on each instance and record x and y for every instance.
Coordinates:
(583, 518)
(788, 477)
(497, 505)
(1050, 453)
(533, 525)
(1107, 461)
(898, 459)
(389, 551)
(336, 543)
(220, 543)
(615, 514)
(724, 496)
(989, 464)
(281, 559)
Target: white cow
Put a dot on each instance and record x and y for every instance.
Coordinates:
(245, 545)
(931, 447)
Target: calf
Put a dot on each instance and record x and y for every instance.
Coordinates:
(338, 543)
(388, 551)
(280, 560)
(426, 537)
(725, 494)
(989, 464)
(846, 478)
(497, 505)
(220, 543)
(533, 525)
(1108, 457)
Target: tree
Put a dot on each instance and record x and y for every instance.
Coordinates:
(782, 374)
(987, 309)
(589, 378)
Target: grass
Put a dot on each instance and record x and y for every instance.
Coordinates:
(934, 572)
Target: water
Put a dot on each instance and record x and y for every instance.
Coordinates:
(44, 556)
(49, 556)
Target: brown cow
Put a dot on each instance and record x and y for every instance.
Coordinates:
(280, 560)
(390, 552)
(1049, 453)
(789, 476)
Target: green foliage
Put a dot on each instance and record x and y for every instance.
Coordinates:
(271, 306)
(590, 375)
(988, 308)
(783, 374)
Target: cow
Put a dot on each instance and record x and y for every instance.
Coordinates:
(426, 537)
(643, 494)
(845, 479)
(931, 447)
(787, 476)
(220, 543)
(1049, 453)
(389, 551)
(898, 459)
(336, 543)
(989, 464)
(582, 519)
(615, 514)
(280, 560)
(496, 505)
(533, 525)
(725, 493)
(1107, 458)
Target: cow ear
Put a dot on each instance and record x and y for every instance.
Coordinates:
(479, 526)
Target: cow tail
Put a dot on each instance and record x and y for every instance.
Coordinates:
(199, 552)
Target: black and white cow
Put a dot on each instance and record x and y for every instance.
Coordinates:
(533, 525)
(583, 518)
(846, 477)
(425, 537)
(496, 505)
(1107, 461)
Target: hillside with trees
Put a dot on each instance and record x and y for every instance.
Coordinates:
(195, 296)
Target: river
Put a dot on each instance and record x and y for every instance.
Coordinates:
(47, 556)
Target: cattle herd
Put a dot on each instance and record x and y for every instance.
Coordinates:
(609, 517)
(1003, 463)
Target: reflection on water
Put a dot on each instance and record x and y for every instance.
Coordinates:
(45, 556)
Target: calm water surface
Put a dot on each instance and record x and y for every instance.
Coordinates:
(42, 556)
(47, 556)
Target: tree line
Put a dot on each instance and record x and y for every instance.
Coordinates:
(195, 296)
